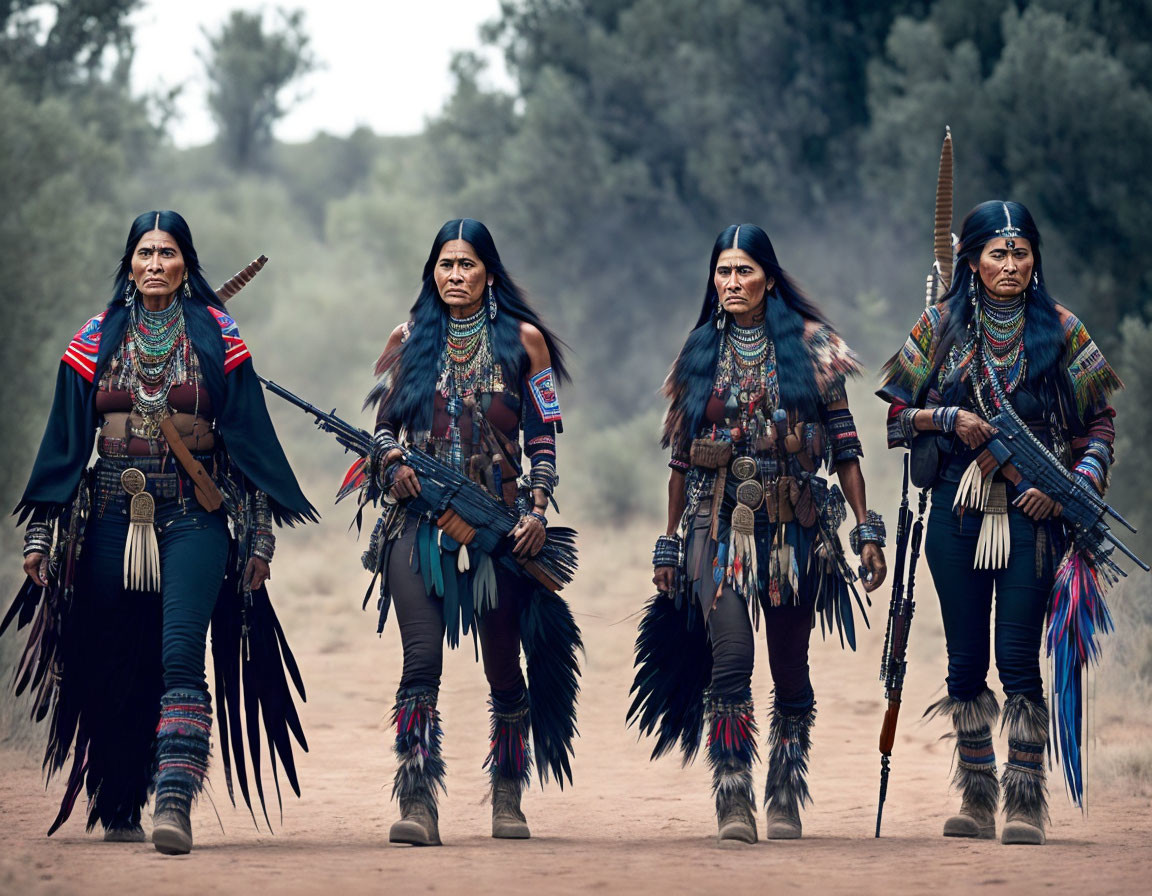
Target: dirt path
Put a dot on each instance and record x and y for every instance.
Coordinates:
(627, 826)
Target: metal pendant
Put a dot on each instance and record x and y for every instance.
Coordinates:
(750, 494)
(744, 468)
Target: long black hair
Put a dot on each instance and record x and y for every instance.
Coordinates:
(201, 327)
(786, 310)
(405, 395)
(1043, 331)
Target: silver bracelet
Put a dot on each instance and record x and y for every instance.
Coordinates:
(37, 539)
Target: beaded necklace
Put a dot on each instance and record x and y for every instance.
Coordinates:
(468, 369)
(154, 361)
(746, 378)
(1002, 331)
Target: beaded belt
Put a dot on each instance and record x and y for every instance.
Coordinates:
(163, 477)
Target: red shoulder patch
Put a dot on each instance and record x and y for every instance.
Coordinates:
(235, 350)
(84, 348)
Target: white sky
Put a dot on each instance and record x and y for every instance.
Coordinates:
(385, 62)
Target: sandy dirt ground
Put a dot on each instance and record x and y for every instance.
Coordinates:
(627, 825)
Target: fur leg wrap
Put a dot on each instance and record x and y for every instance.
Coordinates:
(510, 756)
(1024, 781)
(420, 766)
(975, 765)
(789, 742)
(182, 746)
(730, 722)
(509, 765)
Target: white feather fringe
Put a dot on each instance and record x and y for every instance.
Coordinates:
(141, 558)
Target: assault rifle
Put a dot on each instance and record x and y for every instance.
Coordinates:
(445, 493)
(1084, 509)
(893, 663)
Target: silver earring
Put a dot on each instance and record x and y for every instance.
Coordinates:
(972, 290)
(187, 288)
(129, 293)
(721, 319)
(1035, 279)
(491, 303)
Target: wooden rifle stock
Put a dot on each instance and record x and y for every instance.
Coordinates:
(888, 729)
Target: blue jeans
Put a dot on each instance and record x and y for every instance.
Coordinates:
(193, 553)
(966, 599)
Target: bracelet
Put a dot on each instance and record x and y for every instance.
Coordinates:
(37, 539)
(944, 418)
(543, 477)
(263, 538)
(536, 514)
(871, 531)
(667, 551)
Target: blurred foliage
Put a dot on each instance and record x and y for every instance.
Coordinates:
(249, 69)
(633, 132)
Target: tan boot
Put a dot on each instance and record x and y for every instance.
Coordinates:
(790, 740)
(731, 725)
(508, 822)
(975, 776)
(1025, 787)
(736, 816)
(419, 768)
(418, 825)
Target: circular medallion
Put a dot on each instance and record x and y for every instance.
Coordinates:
(132, 480)
(750, 493)
(744, 467)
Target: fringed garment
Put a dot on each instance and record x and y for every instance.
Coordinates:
(758, 515)
(102, 699)
(1062, 395)
(479, 413)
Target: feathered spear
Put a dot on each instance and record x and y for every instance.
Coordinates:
(240, 279)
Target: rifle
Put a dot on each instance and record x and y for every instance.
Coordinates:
(1034, 465)
(450, 497)
(893, 664)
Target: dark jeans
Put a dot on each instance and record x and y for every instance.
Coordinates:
(421, 620)
(193, 551)
(966, 600)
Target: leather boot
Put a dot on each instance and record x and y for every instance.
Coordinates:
(790, 740)
(182, 742)
(1025, 787)
(731, 726)
(508, 822)
(509, 763)
(419, 769)
(975, 760)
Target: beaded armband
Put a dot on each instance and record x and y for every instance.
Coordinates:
(263, 538)
(1095, 463)
(870, 531)
(843, 436)
(37, 538)
(382, 443)
(666, 552)
(543, 477)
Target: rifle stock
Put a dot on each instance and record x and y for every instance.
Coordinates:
(888, 729)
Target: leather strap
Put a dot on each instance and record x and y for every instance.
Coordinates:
(207, 493)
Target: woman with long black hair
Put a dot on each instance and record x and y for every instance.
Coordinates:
(473, 371)
(129, 561)
(758, 404)
(996, 342)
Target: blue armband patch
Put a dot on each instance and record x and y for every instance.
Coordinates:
(543, 389)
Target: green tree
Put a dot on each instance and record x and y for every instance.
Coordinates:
(249, 70)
